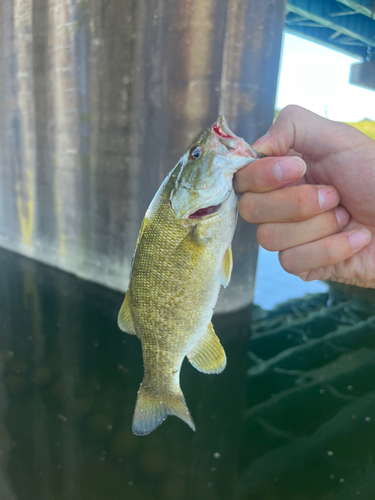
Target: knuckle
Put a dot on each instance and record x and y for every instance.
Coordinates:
(326, 224)
(263, 177)
(257, 182)
(328, 253)
(287, 260)
(301, 204)
(266, 236)
(246, 207)
(306, 276)
(290, 110)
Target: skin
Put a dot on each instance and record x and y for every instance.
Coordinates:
(313, 197)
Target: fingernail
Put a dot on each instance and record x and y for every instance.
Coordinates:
(341, 216)
(325, 196)
(289, 169)
(261, 140)
(359, 239)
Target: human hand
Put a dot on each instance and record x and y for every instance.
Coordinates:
(323, 219)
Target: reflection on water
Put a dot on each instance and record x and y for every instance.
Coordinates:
(311, 401)
(292, 416)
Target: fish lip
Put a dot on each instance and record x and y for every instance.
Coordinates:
(257, 156)
(232, 168)
(221, 130)
(249, 159)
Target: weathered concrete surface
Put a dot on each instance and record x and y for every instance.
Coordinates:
(99, 99)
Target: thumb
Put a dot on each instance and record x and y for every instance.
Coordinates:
(305, 132)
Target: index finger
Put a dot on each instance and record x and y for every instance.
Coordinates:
(268, 174)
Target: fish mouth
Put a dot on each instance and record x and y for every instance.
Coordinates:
(220, 128)
(236, 145)
(204, 211)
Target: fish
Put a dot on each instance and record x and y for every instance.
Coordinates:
(182, 258)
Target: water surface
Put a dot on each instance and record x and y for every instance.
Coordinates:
(291, 418)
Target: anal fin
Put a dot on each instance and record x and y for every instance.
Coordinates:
(208, 355)
(124, 320)
(151, 410)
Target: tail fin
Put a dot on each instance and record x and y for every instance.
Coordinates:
(151, 410)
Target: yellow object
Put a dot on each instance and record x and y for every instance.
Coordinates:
(365, 126)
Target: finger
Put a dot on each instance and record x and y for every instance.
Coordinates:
(283, 235)
(268, 174)
(322, 253)
(291, 204)
(301, 130)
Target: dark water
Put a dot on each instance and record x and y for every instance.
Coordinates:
(291, 418)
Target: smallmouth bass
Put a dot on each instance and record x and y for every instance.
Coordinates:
(182, 257)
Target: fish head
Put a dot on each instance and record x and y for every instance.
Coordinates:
(205, 177)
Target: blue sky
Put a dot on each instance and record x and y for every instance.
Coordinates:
(317, 78)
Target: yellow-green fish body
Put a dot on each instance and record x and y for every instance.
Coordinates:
(183, 256)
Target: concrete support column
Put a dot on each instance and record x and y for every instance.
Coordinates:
(98, 101)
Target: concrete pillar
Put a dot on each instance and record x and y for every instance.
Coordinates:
(99, 99)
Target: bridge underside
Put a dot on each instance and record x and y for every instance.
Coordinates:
(344, 25)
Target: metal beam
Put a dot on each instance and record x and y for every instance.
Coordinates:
(361, 9)
(344, 13)
(330, 24)
(317, 36)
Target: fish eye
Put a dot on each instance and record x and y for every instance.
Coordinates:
(195, 153)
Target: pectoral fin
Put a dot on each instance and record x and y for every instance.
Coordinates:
(208, 355)
(191, 248)
(226, 270)
(124, 320)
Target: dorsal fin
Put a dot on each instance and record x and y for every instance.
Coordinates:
(208, 355)
(124, 320)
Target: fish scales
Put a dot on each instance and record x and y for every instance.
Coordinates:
(182, 258)
(167, 294)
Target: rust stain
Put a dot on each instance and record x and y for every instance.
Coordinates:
(65, 113)
(60, 218)
(25, 210)
(25, 183)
